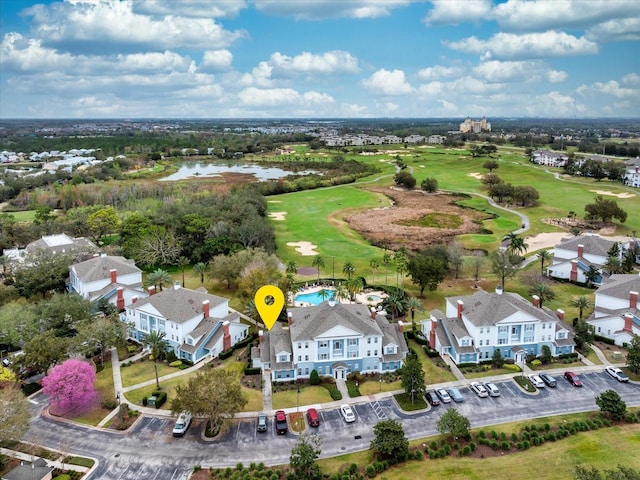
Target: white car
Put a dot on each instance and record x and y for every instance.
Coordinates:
(616, 373)
(347, 414)
(181, 425)
(536, 380)
(479, 389)
(492, 389)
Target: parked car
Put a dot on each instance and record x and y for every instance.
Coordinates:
(492, 389)
(313, 418)
(536, 380)
(455, 394)
(281, 422)
(479, 389)
(347, 413)
(443, 395)
(616, 373)
(182, 424)
(549, 380)
(432, 398)
(573, 379)
(262, 422)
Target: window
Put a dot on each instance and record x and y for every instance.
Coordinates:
(323, 344)
(306, 344)
(352, 342)
(375, 340)
(299, 371)
(368, 353)
(528, 339)
(144, 325)
(299, 345)
(324, 356)
(299, 358)
(544, 326)
(306, 371)
(283, 358)
(353, 355)
(161, 325)
(528, 328)
(503, 329)
(488, 330)
(480, 342)
(189, 341)
(375, 353)
(481, 330)
(306, 358)
(337, 345)
(514, 330)
(599, 329)
(502, 341)
(369, 340)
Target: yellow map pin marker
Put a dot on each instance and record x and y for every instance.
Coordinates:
(269, 312)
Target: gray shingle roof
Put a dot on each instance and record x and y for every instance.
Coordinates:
(180, 305)
(61, 242)
(619, 285)
(593, 244)
(310, 322)
(99, 268)
(391, 335)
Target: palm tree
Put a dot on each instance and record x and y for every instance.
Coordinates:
(413, 305)
(614, 265)
(374, 264)
(159, 277)
(157, 345)
(543, 291)
(516, 244)
(353, 285)
(323, 293)
(182, 263)
(395, 302)
(592, 275)
(386, 260)
(201, 268)
(291, 268)
(318, 263)
(402, 262)
(581, 303)
(251, 311)
(544, 256)
(349, 270)
(341, 292)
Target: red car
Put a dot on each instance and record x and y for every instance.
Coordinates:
(281, 422)
(573, 379)
(313, 418)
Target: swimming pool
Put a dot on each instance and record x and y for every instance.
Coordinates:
(314, 298)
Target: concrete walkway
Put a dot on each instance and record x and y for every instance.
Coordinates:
(342, 387)
(266, 391)
(454, 368)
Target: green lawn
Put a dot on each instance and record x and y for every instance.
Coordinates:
(309, 395)
(141, 371)
(372, 386)
(432, 373)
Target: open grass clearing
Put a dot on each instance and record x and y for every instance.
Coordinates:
(432, 373)
(309, 395)
(372, 386)
(142, 371)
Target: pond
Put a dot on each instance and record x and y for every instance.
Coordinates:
(194, 170)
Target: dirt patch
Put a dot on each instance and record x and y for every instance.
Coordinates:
(476, 175)
(401, 223)
(306, 249)
(611, 194)
(278, 216)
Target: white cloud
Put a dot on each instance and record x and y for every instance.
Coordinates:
(532, 15)
(306, 62)
(518, 71)
(28, 55)
(259, 76)
(191, 8)
(385, 82)
(438, 72)
(431, 89)
(528, 45)
(632, 79)
(215, 60)
(321, 9)
(616, 30)
(613, 89)
(104, 25)
(457, 11)
(281, 97)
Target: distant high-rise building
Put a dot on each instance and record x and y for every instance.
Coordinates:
(475, 126)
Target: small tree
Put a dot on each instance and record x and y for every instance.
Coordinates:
(581, 303)
(314, 378)
(70, 385)
(389, 442)
(583, 334)
(490, 165)
(611, 404)
(412, 376)
(429, 185)
(452, 423)
(496, 359)
(304, 455)
(543, 292)
(633, 354)
(157, 345)
(545, 356)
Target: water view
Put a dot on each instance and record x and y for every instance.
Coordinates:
(199, 170)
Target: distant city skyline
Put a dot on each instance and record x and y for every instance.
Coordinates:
(319, 58)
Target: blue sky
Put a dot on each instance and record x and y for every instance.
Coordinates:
(319, 58)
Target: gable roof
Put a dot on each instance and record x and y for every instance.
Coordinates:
(488, 309)
(27, 471)
(619, 285)
(99, 268)
(61, 243)
(179, 304)
(593, 244)
(310, 322)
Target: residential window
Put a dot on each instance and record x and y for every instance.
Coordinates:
(152, 323)
(324, 356)
(189, 341)
(375, 340)
(323, 344)
(299, 358)
(480, 342)
(352, 341)
(144, 325)
(481, 330)
(369, 340)
(502, 341)
(368, 353)
(544, 326)
(528, 339)
(353, 355)
(306, 344)
(528, 328)
(299, 371)
(503, 329)
(306, 371)
(375, 353)
(337, 345)
(283, 358)
(306, 358)
(161, 325)
(299, 345)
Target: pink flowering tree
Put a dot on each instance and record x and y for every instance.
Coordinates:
(70, 385)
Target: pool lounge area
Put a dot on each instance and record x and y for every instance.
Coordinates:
(311, 296)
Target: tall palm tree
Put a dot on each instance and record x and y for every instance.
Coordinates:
(614, 265)
(396, 302)
(201, 268)
(291, 267)
(318, 263)
(324, 293)
(386, 260)
(349, 270)
(157, 345)
(159, 277)
(516, 244)
(353, 285)
(544, 256)
(414, 305)
(341, 292)
(251, 311)
(581, 303)
(182, 263)
(543, 291)
(402, 262)
(374, 265)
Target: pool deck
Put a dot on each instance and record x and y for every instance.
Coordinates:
(360, 297)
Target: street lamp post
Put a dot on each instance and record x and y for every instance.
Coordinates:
(381, 384)
(298, 401)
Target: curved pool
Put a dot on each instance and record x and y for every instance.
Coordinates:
(314, 298)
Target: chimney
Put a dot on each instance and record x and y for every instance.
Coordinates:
(574, 271)
(400, 326)
(536, 301)
(289, 318)
(134, 299)
(432, 333)
(226, 337)
(460, 308)
(633, 299)
(152, 290)
(120, 297)
(628, 323)
(114, 275)
(580, 251)
(560, 313)
(205, 308)
(373, 313)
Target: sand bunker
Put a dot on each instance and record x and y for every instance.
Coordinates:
(274, 201)
(306, 249)
(476, 175)
(551, 239)
(277, 216)
(619, 195)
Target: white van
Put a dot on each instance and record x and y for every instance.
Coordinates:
(183, 422)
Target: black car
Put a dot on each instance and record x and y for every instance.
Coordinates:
(432, 398)
(549, 380)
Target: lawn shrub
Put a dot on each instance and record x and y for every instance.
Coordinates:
(371, 471)
(175, 363)
(505, 445)
(109, 404)
(225, 354)
(161, 398)
(514, 437)
(511, 367)
(473, 446)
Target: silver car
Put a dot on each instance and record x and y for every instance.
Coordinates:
(492, 389)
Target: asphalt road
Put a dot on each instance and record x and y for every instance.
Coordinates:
(148, 451)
